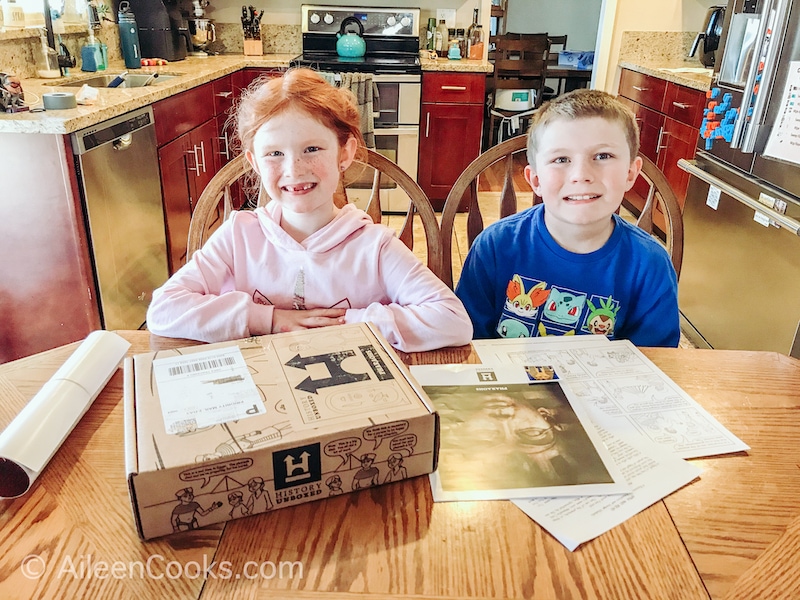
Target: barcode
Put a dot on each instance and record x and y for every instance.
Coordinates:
(202, 365)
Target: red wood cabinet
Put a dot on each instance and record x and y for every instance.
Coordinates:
(47, 292)
(669, 117)
(186, 133)
(450, 130)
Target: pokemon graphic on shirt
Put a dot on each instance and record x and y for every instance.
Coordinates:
(534, 309)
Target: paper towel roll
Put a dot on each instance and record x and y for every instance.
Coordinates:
(34, 436)
(59, 100)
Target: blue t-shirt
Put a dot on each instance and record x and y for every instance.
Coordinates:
(518, 282)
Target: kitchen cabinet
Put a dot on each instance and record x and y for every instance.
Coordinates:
(450, 130)
(669, 117)
(47, 291)
(186, 135)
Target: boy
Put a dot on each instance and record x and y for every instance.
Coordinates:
(572, 266)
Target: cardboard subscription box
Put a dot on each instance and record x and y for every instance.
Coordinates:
(267, 422)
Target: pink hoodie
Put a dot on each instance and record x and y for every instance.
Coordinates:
(250, 265)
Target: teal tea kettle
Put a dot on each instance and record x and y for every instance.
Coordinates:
(351, 44)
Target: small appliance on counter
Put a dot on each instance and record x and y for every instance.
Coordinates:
(709, 36)
(201, 29)
(163, 29)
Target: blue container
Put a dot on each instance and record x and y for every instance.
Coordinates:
(129, 36)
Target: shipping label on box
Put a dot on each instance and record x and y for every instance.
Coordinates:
(222, 431)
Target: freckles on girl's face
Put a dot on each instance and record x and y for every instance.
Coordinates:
(298, 159)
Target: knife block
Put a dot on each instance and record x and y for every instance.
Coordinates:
(253, 47)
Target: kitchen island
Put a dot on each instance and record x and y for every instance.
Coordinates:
(48, 279)
(193, 72)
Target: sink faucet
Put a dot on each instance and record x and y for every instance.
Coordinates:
(149, 80)
(65, 59)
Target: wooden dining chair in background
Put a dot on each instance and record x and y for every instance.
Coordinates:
(661, 215)
(555, 44)
(217, 202)
(520, 62)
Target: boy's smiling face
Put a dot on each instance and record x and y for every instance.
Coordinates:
(583, 168)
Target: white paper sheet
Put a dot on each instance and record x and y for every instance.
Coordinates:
(622, 390)
(784, 139)
(651, 473)
(505, 433)
(34, 436)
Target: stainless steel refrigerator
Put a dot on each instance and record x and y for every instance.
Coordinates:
(740, 282)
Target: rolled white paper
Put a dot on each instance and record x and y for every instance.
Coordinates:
(34, 436)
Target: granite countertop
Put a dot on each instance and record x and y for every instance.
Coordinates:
(691, 75)
(194, 71)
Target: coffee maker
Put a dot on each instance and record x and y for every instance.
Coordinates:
(712, 30)
(163, 29)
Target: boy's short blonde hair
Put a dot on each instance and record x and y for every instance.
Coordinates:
(580, 104)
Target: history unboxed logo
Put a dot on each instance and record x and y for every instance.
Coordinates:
(297, 466)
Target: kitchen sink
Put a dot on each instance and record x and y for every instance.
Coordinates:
(131, 81)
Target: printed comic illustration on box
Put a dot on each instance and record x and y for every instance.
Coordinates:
(335, 412)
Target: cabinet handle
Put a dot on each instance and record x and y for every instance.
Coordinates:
(225, 146)
(224, 94)
(681, 105)
(196, 167)
(661, 133)
(454, 88)
(203, 154)
(427, 123)
(639, 89)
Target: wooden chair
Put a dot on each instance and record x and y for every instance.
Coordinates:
(215, 203)
(661, 205)
(555, 43)
(520, 62)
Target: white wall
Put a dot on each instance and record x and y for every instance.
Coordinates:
(287, 12)
(578, 19)
(631, 15)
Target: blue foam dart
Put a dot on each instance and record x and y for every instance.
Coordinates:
(715, 92)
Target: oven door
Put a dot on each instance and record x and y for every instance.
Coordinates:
(398, 144)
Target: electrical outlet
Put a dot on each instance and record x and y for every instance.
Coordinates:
(449, 16)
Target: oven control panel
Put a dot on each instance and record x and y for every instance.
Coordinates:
(375, 21)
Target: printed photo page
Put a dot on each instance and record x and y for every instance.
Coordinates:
(514, 431)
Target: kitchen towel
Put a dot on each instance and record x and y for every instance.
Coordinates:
(367, 97)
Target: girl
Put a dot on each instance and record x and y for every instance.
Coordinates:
(301, 262)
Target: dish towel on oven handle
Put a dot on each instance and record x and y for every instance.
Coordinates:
(367, 97)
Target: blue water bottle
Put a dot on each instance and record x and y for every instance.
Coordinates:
(129, 36)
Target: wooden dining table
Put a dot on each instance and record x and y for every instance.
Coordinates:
(734, 533)
(569, 77)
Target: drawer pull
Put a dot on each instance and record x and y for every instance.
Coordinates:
(224, 94)
(661, 134)
(639, 89)
(203, 154)
(224, 146)
(196, 167)
(455, 88)
(681, 105)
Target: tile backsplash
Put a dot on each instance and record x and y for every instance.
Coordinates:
(18, 51)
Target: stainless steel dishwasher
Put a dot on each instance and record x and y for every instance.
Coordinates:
(118, 172)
